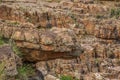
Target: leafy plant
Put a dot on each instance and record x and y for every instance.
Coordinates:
(67, 78)
(16, 50)
(14, 47)
(2, 41)
(25, 71)
(2, 66)
(115, 13)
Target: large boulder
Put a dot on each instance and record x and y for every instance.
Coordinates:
(42, 44)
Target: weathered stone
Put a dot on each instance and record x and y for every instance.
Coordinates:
(67, 37)
(31, 1)
(108, 30)
(55, 40)
(9, 59)
(97, 76)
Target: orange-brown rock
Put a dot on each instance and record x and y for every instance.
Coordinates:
(65, 37)
(51, 43)
(108, 30)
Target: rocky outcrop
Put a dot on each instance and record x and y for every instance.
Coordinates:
(48, 14)
(72, 37)
(9, 61)
(96, 63)
(109, 30)
(50, 43)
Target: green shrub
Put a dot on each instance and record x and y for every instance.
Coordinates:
(2, 41)
(25, 71)
(65, 78)
(115, 13)
(16, 50)
(2, 75)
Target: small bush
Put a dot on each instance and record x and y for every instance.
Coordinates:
(25, 71)
(115, 13)
(67, 78)
(2, 75)
(2, 41)
(16, 50)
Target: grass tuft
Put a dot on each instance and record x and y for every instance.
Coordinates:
(115, 13)
(25, 71)
(2, 41)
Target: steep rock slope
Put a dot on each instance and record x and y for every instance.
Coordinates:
(69, 37)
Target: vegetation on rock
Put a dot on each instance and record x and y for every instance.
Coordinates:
(16, 50)
(2, 67)
(25, 71)
(115, 13)
(77, 38)
(67, 78)
(2, 41)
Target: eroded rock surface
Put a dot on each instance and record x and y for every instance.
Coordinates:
(52, 43)
(67, 37)
(9, 60)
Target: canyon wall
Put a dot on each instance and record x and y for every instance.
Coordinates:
(68, 37)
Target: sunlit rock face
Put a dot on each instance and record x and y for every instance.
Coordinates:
(52, 43)
(65, 37)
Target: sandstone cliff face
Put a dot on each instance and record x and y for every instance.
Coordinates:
(50, 43)
(72, 37)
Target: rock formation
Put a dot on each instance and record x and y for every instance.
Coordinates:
(9, 60)
(68, 37)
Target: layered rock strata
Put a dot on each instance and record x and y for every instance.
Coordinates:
(76, 38)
